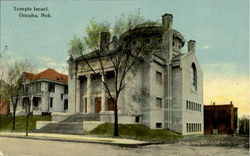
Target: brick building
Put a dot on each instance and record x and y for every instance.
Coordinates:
(218, 119)
(4, 107)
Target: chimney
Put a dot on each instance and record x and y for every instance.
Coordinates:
(191, 45)
(231, 102)
(167, 20)
(105, 40)
(214, 103)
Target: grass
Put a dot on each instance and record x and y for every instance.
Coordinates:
(6, 122)
(137, 131)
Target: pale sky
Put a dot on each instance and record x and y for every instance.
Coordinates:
(220, 28)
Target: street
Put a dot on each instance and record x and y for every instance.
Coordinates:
(29, 147)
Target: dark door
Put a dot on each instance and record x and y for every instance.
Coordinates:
(85, 105)
(98, 104)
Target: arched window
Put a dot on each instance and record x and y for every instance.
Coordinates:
(194, 77)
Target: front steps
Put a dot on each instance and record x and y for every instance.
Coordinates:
(71, 125)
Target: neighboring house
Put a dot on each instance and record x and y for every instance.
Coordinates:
(165, 92)
(4, 107)
(48, 91)
(219, 119)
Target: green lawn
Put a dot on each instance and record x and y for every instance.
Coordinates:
(6, 122)
(137, 131)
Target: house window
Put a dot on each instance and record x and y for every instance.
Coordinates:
(51, 102)
(38, 86)
(137, 119)
(158, 78)
(35, 101)
(187, 104)
(65, 104)
(51, 87)
(158, 125)
(65, 89)
(158, 102)
(61, 96)
(194, 77)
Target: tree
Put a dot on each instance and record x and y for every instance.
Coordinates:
(3, 69)
(15, 84)
(244, 125)
(26, 102)
(119, 54)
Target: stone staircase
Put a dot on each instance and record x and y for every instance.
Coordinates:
(71, 125)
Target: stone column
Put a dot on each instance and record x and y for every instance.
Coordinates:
(89, 106)
(103, 108)
(31, 104)
(77, 95)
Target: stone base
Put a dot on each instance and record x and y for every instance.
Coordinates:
(90, 125)
(59, 116)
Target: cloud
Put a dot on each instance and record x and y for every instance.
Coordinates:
(206, 47)
(46, 59)
(49, 62)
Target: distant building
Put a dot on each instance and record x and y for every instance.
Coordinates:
(173, 81)
(49, 92)
(219, 119)
(4, 107)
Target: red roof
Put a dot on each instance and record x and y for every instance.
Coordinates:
(49, 74)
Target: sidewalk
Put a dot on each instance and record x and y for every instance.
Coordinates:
(76, 138)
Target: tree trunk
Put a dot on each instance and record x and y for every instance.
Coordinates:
(116, 119)
(14, 120)
(27, 124)
(0, 122)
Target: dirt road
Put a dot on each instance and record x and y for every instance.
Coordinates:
(27, 147)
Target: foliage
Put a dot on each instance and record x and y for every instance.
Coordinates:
(15, 83)
(244, 125)
(92, 39)
(127, 22)
(20, 122)
(137, 131)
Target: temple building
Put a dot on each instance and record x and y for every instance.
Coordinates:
(164, 92)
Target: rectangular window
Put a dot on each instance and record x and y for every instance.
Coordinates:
(111, 104)
(137, 119)
(158, 78)
(61, 96)
(65, 104)
(158, 102)
(51, 87)
(38, 86)
(51, 102)
(158, 125)
(65, 89)
(187, 104)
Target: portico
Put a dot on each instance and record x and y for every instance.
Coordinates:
(92, 96)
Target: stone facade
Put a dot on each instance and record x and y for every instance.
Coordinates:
(48, 92)
(165, 91)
